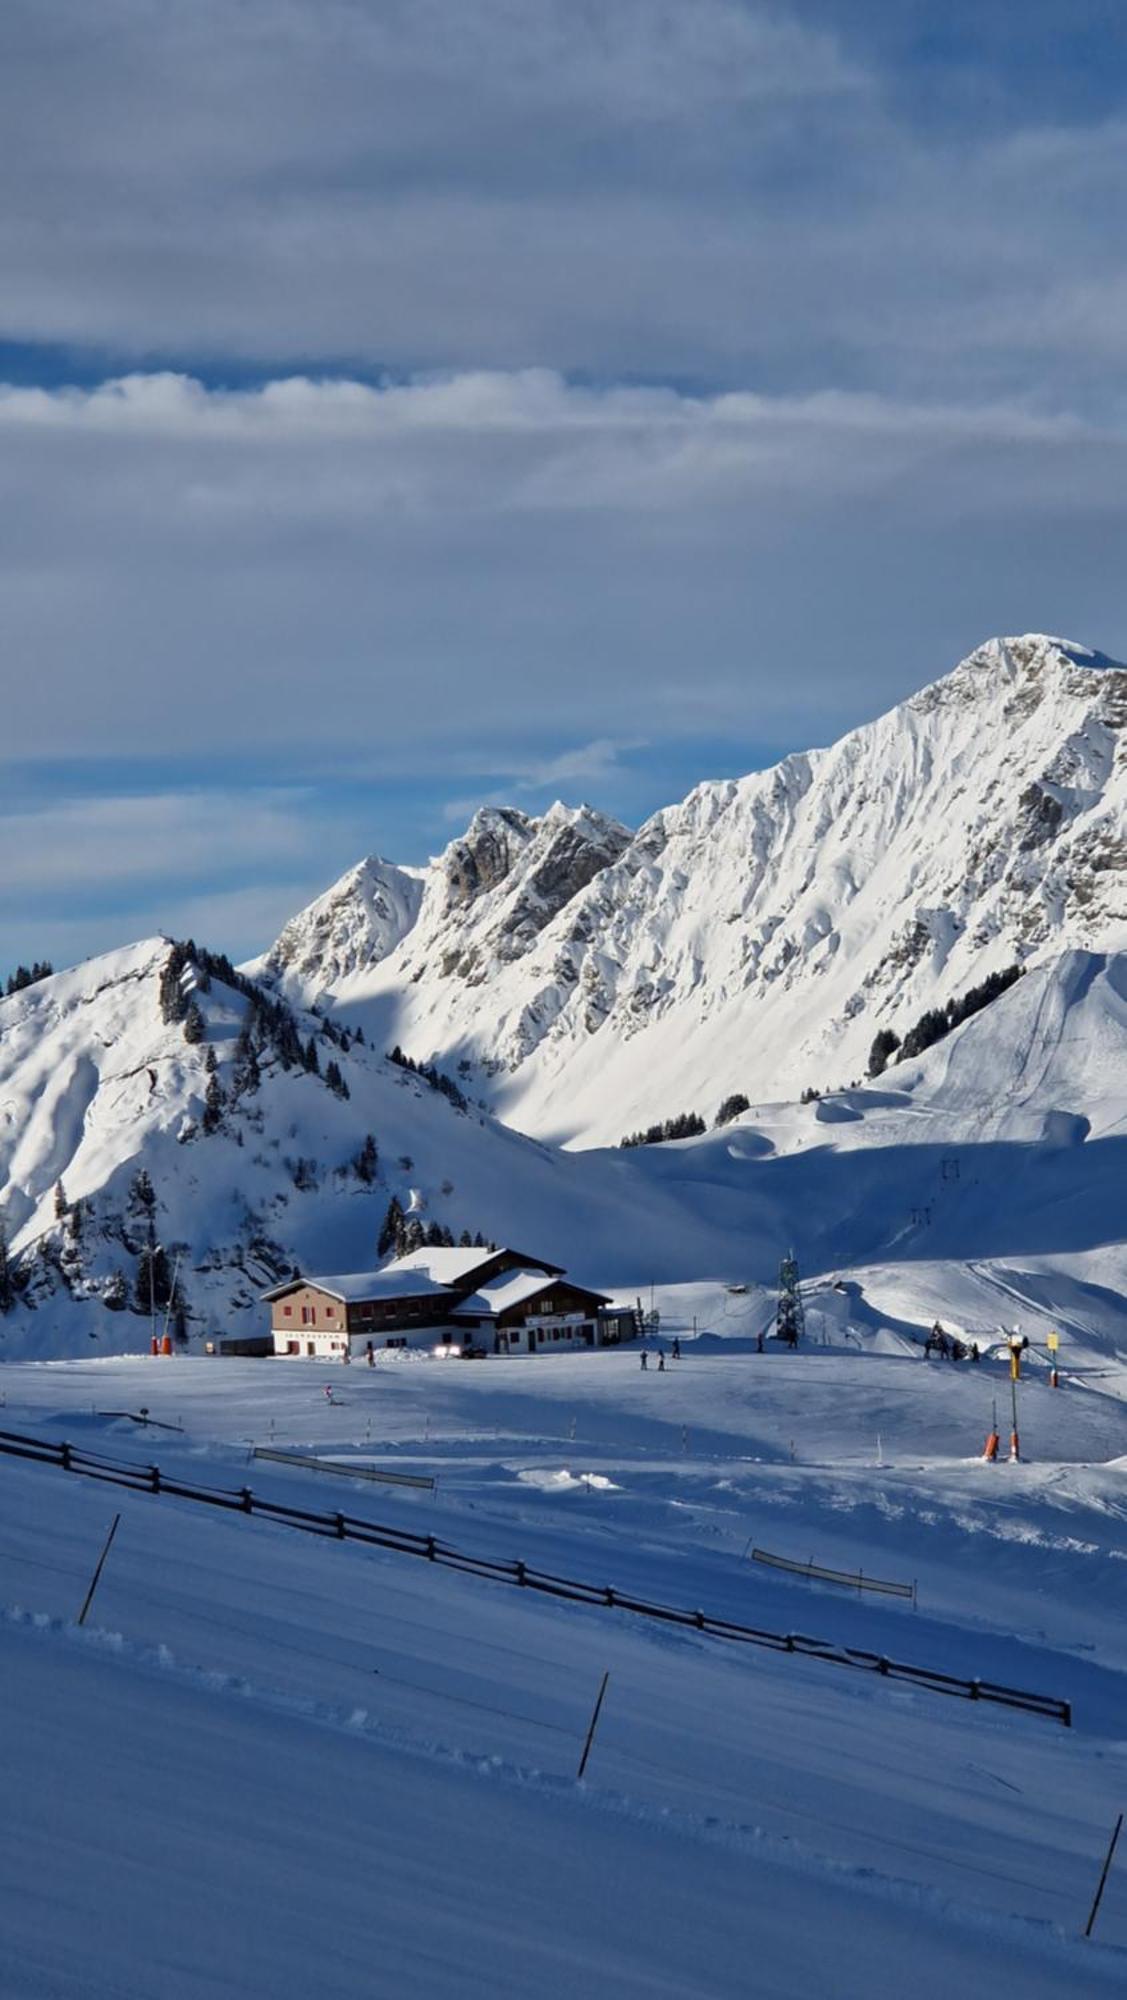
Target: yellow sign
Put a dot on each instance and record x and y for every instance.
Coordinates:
(1053, 1342)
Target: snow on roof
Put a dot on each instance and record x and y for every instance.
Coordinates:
(355, 1287)
(452, 1267)
(513, 1288)
(446, 1267)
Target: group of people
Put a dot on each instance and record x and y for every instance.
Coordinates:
(949, 1347)
(674, 1355)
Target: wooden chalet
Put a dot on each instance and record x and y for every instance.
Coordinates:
(493, 1301)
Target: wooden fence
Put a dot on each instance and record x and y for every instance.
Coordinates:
(344, 1527)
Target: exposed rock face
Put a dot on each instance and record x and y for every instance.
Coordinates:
(496, 839)
(756, 936)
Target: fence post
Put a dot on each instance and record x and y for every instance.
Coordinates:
(1103, 1877)
(592, 1727)
(98, 1571)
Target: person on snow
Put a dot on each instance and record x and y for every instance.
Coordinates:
(370, 1355)
(644, 1358)
(676, 1350)
(661, 1364)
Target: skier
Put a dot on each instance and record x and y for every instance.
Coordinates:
(370, 1355)
(661, 1364)
(676, 1350)
(328, 1392)
(644, 1358)
(974, 1353)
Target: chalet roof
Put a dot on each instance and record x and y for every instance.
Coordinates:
(357, 1287)
(425, 1273)
(512, 1288)
(457, 1267)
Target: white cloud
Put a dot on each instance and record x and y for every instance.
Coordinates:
(719, 189)
(485, 561)
(102, 843)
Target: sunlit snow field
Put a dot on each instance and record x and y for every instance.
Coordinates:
(271, 1764)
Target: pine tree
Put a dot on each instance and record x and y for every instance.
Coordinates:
(214, 1100)
(115, 1293)
(335, 1080)
(390, 1231)
(366, 1165)
(247, 1075)
(7, 1288)
(62, 1206)
(194, 1030)
(152, 1288)
(142, 1194)
(885, 1045)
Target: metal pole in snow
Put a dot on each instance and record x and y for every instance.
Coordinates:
(593, 1726)
(98, 1571)
(1015, 1448)
(172, 1293)
(1103, 1877)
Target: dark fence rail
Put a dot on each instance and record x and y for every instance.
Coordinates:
(346, 1527)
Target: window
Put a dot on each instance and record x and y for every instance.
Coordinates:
(305, 1315)
(293, 1347)
(288, 1311)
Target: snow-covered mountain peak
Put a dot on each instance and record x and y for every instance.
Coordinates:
(757, 935)
(353, 925)
(482, 902)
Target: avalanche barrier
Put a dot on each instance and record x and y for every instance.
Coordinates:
(348, 1528)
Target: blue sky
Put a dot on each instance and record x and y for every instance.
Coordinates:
(407, 405)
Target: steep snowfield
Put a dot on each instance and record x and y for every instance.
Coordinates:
(756, 936)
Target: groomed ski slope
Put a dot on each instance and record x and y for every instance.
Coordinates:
(281, 1766)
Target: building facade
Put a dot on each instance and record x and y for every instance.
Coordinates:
(471, 1301)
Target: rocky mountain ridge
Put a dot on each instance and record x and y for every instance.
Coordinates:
(756, 936)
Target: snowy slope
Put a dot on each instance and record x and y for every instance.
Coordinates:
(95, 1084)
(756, 936)
(995, 1162)
(321, 1768)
